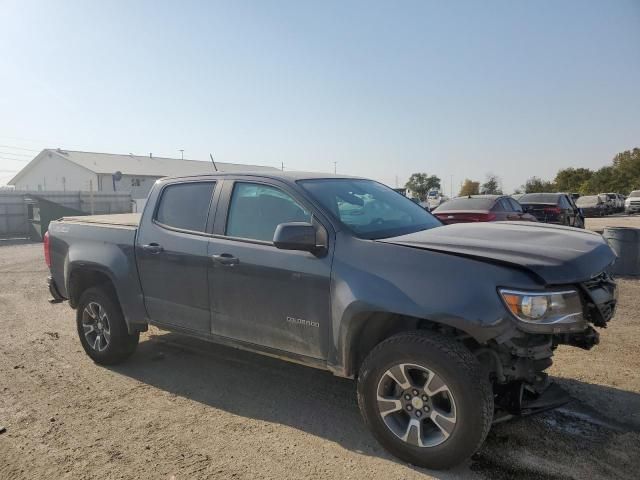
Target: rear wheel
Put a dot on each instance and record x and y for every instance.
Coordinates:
(102, 329)
(425, 399)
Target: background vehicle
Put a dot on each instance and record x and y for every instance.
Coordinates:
(592, 206)
(329, 272)
(556, 208)
(632, 202)
(435, 199)
(613, 202)
(609, 205)
(481, 208)
(517, 196)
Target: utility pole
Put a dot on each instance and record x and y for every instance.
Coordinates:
(282, 165)
(451, 187)
(335, 167)
(181, 154)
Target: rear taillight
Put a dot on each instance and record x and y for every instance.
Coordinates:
(47, 250)
(553, 210)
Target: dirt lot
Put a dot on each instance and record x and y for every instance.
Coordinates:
(620, 220)
(184, 409)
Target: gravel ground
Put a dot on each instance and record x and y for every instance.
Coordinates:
(183, 409)
(619, 220)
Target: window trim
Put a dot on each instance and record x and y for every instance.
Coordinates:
(207, 223)
(229, 200)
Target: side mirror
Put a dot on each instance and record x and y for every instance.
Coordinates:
(295, 236)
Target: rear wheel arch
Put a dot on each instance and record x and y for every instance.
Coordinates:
(82, 278)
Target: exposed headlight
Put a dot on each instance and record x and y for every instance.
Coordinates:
(559, 311)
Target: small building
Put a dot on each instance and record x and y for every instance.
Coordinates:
(64, 170)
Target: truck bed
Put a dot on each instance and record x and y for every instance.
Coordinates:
(114, 220)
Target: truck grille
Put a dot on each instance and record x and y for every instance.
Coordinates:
(601, 293)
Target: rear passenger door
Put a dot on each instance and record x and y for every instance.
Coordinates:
(171, 251)
(260, 294)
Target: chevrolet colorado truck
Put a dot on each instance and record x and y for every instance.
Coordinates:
(446, 328)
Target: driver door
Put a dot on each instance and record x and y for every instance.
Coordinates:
(260, 294)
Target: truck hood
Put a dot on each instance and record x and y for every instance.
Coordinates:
(556, 254)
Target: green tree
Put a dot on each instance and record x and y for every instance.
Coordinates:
(421, 183)
(469, 187)
(602, 181)
(491, 186)
(572, 179)
(626, 171)
(537, 185)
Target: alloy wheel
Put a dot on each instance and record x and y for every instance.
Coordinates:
(416, 405)
(96, 328)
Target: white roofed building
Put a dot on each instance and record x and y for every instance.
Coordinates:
(62, 170)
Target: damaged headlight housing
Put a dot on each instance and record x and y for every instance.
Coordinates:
(554, 311)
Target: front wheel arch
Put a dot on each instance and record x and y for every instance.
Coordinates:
(369, 329)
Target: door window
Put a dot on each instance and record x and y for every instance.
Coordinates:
(256, 210)
(564, 203)
(185, 206)
(516, 206)
(506, 205)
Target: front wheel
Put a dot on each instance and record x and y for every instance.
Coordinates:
(102, 329)
(425, 399)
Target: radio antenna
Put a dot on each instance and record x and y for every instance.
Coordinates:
(215, 167)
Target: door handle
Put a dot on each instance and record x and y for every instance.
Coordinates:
(153, 248)
(226, 259)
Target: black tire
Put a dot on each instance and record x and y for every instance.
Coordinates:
(461, 373)
(120, 344)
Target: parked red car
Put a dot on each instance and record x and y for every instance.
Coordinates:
(481, 208)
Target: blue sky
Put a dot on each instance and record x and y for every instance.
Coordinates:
(382, 88)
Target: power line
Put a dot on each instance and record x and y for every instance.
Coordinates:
(17, 154)
(15, 159)
(19, 148)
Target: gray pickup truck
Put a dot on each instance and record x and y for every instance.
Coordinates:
(446, 328)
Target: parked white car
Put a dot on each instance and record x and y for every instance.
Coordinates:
(435, 199)
(632, 203)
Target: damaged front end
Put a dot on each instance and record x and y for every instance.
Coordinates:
(516, 361)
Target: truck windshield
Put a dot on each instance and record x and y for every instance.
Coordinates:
(369, 209)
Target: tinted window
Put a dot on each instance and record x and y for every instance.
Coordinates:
(369, 209)
(515, 205)
(506, 205)
(499, 207)
(256, 210)
(185, 205)
(635, 193)
(539, 198)
(564, 203)
(466, 203)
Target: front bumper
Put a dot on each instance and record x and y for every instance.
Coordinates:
(518, 400)
(632, 208)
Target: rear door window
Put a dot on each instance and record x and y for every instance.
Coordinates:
(506, 205)
(564, 203)
(185, 206)
(515, 205)
(256, 210)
